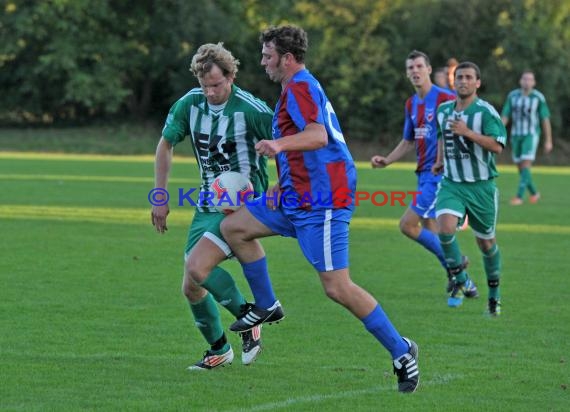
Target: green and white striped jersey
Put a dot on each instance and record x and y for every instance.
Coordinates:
(222, 139)
(464, 160)
(525, 112)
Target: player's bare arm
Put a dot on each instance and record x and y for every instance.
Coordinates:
(163, 162)
(313, 137)
(399, 151)
(459, 127)
(437, 167)
(547, 129)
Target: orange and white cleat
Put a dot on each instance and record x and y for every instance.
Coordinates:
(516, 201)
(534, 198)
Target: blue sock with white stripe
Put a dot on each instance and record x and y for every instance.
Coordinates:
(378, 324)
(431, 242)
(257, 276)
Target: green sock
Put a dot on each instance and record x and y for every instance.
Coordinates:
(492, 264)
(224, 289)
(207, 318)
(529, 183)
(523, 182)
(452, 254)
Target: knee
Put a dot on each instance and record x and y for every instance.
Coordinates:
(334, 293)
(194, 271)
(486, 245)
(228, 228)
(404, 227)
(191, 290)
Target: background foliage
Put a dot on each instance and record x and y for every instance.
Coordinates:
(67, 61)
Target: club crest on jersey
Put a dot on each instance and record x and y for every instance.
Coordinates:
(429, 115)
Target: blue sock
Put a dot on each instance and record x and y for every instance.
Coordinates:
(431, 242)
(378, 324)
(257, 276)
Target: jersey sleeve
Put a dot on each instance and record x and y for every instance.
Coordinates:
(494, 127)
(260, 123)
(176, 126)
(507, 107)
(440, 113)
(303, 105)
(543, 111)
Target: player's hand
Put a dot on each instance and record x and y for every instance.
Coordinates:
(437, 168)
(379, 162)
(158, 217)
(268, 148)
(458, 127)
(547, 147)
(273, 197)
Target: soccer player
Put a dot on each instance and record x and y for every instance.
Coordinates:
(420, 132)
(527, 109)
(451, 65)
(440, 78)
(313, 160)
(224, 123)
(470, 133)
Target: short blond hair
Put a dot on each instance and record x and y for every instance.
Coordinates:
(209, 54)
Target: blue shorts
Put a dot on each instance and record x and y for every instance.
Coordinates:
(321, 234)
(425, 201)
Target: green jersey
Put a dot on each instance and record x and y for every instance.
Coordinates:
(464, 160)
(223, 137)
(525, 112)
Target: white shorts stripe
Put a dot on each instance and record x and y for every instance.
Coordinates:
(327, 247)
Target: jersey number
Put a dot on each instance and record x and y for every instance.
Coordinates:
(332, 123)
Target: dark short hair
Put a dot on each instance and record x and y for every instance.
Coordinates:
(287, 39)
(469, 65)
(414, 54)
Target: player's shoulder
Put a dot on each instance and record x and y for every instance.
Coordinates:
(514, 93)
(194, 97)
(446, 106)
(443, 94)
(249, 103)
(538, 94)
(304, 80)
(485, 106)
(194, 94)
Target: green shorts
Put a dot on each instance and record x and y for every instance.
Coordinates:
(206, 225)
(479, 200)
(524, 147)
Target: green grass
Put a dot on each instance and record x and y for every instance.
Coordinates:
(92, 316)
(119, 138)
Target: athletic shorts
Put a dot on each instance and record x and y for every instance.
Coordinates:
(479, 200)
(524, 147)
(425, 200)
(206, 225)
(321, 234)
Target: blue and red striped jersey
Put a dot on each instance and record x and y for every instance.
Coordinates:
(420, 125)
(329, 173)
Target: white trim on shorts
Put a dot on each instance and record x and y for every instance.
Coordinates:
(455, 213)
(219, 243)
(327, 248)
(532, 156)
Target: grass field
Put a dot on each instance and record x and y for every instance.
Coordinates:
(92, 317)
